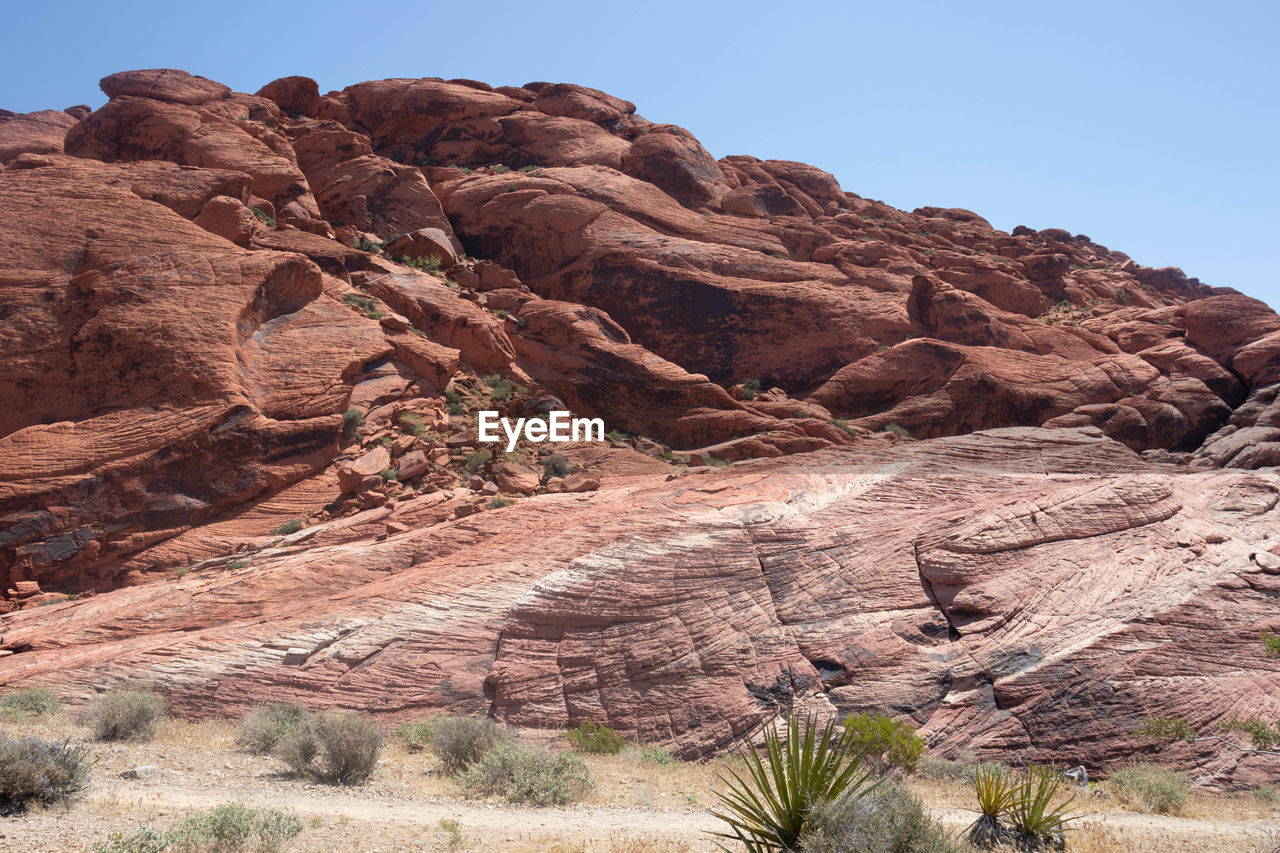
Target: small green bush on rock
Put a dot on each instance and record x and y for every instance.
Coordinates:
(291, 526)
(352, 420)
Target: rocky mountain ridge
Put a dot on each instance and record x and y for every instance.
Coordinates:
(245, 337)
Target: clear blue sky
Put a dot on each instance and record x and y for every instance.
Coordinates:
(1153, 127)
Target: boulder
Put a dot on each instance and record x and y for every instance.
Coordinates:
(353, 473)
(581, 481)
(426, 243)
(412, 464)
(515, 478)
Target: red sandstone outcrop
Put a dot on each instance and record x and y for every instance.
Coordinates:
(1021, 590)
(203, 294)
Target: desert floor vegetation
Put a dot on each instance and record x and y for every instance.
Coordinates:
(639, 799)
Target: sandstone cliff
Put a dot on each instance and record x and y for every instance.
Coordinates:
(243, 337)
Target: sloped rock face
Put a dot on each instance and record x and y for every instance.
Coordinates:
(153, 373)
(225, 317)
(1028, 590)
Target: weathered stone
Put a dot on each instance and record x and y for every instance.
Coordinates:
(352, 473)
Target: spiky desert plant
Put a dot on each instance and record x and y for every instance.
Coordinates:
(996, 791)
(1034, 817)
(769, 808)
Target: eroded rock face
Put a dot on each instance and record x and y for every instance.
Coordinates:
(153, 373)
(204, 295)
(1027, 590)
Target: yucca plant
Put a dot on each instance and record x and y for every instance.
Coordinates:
(996, 791)
(769, 808)
(1036, 821)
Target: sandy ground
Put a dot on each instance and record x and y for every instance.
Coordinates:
(409, 806)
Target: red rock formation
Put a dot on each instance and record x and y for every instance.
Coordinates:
(1026, 590)
(204, 293)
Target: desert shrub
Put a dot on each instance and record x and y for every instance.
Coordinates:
(453, 400)
(500, 169)
(750, 389)
(224, 829)
(476, 460)
(459, 742)
(234, 828)
(339, 749)
(897, 430)
(524, 773)
(938, 769)
(1262, 735)
(453, 832)
(364, 244)
(1270, 643)
(430, 263)
(266, 220)
(592, 737)
(891, 744)
(387, 474)
(656, 755)
(842, 424)
(770, 805)
(499, 503)
(888, 819)
(293, 525)
(1151, 788)
(33, 701)
(34, 771)
(555, 466)
(366, 305)
(412, 424)
(1122, 296)
(125, 714)
(1264, 794)
(1165, 728)
(499, 389)
(264, 728)
(298, 750)
(145, 840)
(416, 735)
(352, 420)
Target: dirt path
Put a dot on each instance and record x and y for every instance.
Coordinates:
(349, 820)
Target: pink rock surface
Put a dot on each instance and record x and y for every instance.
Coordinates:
(1027, 590)
(175, 371)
